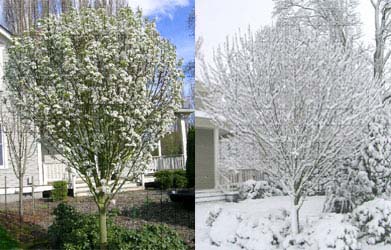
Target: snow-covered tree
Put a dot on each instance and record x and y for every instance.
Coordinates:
(303, 101)
(102, 89)
(336, 19)
(20, 136)
(381, 55)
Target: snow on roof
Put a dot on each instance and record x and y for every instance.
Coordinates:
(202, 114)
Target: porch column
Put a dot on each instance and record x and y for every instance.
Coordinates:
(182, 128)
(143, 180)
(159, 149)
(216, 155)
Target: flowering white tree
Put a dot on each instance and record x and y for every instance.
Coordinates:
(302, 101)
(102, 89)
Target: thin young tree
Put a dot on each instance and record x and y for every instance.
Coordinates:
(300, 101)
(20, 140)
(102, 89)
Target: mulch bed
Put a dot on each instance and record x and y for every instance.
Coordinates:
(133, 209)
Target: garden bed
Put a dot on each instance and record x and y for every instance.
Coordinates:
(131, 209)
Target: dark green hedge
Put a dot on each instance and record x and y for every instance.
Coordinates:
(171, 178)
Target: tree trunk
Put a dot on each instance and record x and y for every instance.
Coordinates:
(21, 197)
(295, 217)
(103, 226)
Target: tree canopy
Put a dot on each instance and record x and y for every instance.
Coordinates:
(102, 89)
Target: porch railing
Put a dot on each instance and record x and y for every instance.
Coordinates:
(55, 171)
(166, 162)
(230, 180)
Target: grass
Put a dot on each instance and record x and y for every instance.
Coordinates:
(6, 242)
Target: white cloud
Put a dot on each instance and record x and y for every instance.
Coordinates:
(158, 7)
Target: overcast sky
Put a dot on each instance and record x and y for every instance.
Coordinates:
(215, 19)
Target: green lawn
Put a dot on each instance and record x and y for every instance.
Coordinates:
(6, 242)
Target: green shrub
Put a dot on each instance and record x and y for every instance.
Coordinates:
(75, 231)
(150, 237)
(171, 178)
(60, 190)
(190, 163)
(179, 178)
(6, 241)
(164, 178)
(71, 230)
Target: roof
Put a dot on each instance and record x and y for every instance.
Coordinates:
(204, 120)
(185, 111)
(5, 33)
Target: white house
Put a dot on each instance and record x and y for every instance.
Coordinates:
(208, 181)
(43, 168)
(216, 178)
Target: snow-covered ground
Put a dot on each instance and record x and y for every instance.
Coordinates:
(248, 224)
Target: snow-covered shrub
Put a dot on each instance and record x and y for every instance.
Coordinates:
(224, 228)
(373, 218)
(330, 233)
(296, 242)
(233, 229)
(349, 188)
(366, 177)
(212, 216)
(375, 158)
(269, 231)
(252, 189)
(335, 233)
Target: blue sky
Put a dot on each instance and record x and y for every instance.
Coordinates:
(172, 23)
(175, 27)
